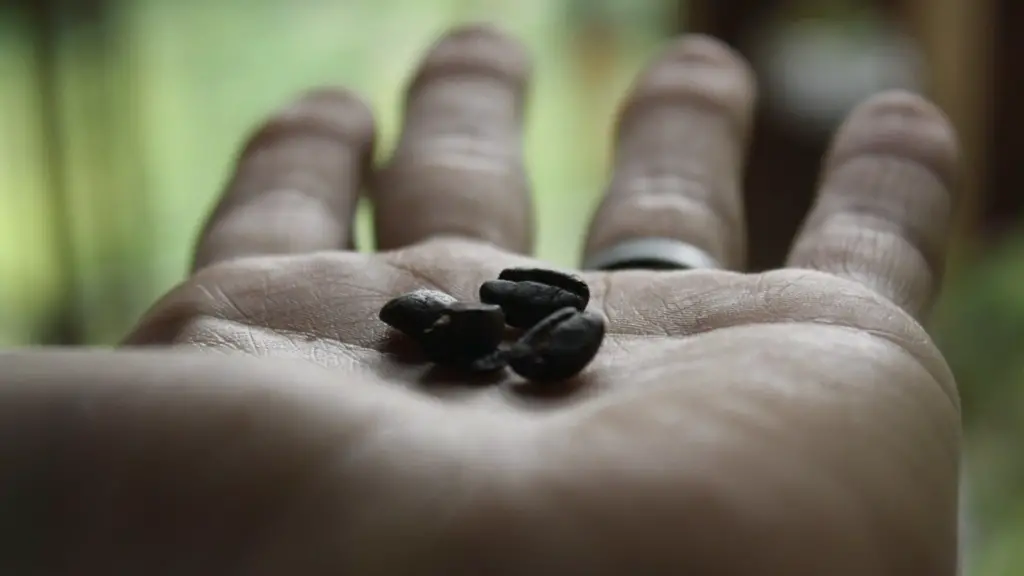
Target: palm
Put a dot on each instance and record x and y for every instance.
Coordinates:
(703, 373)
(323, 308)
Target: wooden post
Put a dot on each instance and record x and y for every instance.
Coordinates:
(64, 327)
(953, 34)
(1004, 205)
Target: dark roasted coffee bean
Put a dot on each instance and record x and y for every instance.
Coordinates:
(563, 280)
(463, 333)
(527, 303)
(558, 347)
(415, 312)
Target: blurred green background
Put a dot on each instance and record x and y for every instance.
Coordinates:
(120, 121)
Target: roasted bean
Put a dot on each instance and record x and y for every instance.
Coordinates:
(463, 333)
(563, 280)
(558, 347)
(561, 337)
(415, 312)
(527, 303)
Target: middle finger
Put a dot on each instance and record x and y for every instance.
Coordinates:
(458, 168)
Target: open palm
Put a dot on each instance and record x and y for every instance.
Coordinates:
(793, 422)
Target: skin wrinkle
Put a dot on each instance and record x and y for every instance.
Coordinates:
(686, 359)
(798, 305)
(913, 214)
(879, 259)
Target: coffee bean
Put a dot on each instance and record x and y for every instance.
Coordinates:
(558, 347)
(415, 312)
(527, 303)
(563, 280)
(463, 333)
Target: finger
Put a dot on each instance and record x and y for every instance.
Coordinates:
(296, 183)
(884, 211)
(458, 167)
(680, 146)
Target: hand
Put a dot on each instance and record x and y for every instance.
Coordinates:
(796, 422)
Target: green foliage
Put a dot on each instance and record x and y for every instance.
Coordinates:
(153, 114)
(980, 328)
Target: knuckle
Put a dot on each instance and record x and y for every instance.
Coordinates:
(852, 225)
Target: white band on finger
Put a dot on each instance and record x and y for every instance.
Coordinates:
(651, 254)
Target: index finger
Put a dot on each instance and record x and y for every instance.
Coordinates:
(296, 183)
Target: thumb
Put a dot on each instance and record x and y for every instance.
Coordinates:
(129, 462)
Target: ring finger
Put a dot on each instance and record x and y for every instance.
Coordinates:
(680, 147)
